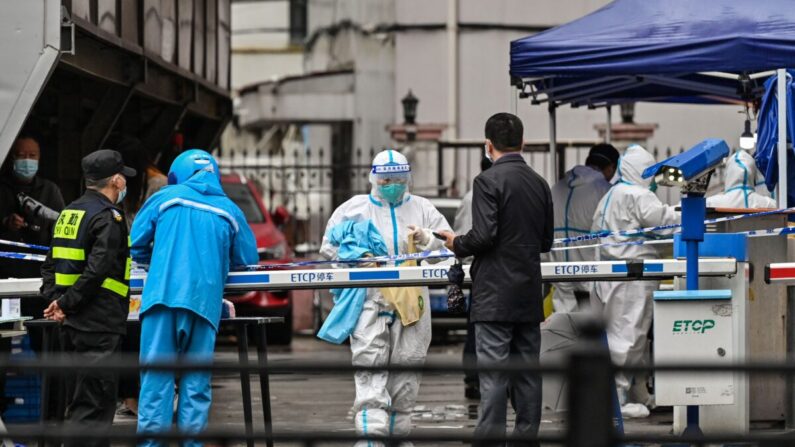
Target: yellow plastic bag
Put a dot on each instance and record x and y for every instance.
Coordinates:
(407, 301)
(549, 308)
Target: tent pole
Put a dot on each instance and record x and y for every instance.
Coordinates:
(452, 69)
(515, 100)
(782, 137)
(553, 145)
(609, 128)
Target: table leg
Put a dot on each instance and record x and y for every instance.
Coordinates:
(264, 380)
(47, 343)
(245, 383)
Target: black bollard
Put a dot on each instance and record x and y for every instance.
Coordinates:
(590, 381)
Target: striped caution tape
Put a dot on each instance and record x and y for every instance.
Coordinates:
(615, 244)
(22, 256)
(781, 231)
(421, 256)
(24, 245)
(640, 231)
(444, 253)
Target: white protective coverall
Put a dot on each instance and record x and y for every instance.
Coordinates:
(761, 187)
(739, 180)
(384, 400)
(574, 199)
(628, 304)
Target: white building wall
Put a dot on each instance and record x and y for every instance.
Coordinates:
(524, 12)
(387, 65)
(253, 68)
(261, 48)
(484, 58)
(370, 54)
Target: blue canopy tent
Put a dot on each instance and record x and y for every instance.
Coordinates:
(686, 51)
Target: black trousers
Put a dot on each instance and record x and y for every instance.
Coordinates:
(498, 344)
(130, 384)
(90, 396)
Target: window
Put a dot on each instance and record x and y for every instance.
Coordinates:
(241, 195)
(298, 21)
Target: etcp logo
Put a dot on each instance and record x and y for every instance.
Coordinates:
(693, 326)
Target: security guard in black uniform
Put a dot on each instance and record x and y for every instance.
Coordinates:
(86, 278)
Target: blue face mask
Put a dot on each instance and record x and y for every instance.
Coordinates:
(393, 192)
(653, 186)
(26, 168)
(122, 195)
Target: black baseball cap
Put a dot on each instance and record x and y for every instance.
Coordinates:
(103, 164)
(601, 154)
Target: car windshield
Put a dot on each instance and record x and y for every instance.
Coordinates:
(241, 195)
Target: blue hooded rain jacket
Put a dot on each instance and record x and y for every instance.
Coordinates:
(190, 235)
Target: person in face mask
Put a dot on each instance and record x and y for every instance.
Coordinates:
(23, 165)
(575, 198)
(739, 179)
(86, 278)
(21, 175)
(384, 400)
(627, 305)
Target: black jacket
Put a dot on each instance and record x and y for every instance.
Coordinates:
(90, 304)
(45, 192)
(512, 224)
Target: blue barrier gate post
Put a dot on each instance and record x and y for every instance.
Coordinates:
(693, 215)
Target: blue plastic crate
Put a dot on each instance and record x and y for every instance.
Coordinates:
(22, 390)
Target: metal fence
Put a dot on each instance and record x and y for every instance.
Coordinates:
(588, 370)
(308, 182)
(311, 182)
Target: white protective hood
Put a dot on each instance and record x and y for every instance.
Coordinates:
(739, 191)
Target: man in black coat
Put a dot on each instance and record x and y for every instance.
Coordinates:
(23, 176)
(512, 225)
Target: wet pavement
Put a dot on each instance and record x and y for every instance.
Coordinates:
(322, 401)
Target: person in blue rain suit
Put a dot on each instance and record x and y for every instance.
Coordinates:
(190, 234)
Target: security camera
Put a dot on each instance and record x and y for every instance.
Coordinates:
(690, 170)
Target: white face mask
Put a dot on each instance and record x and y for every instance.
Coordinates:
(486, 153)
(122, 195)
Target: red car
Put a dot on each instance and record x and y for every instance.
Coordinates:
(273, 249)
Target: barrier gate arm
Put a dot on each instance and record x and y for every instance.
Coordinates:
(420, 276)
(780, 272)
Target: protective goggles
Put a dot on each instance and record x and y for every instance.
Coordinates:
(392, 171)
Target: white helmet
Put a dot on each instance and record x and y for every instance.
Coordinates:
(390, 176)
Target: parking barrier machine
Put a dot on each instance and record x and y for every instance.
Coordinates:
(708, 325)
(420, 276)
(693, 322)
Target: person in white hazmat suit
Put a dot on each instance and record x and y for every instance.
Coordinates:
(575, 197)
(739, 185)
(384, 400)
(627, 305)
